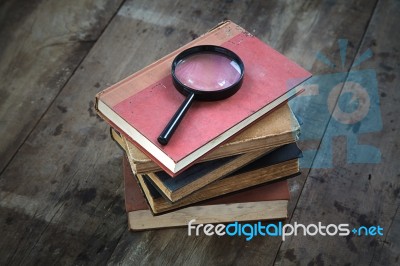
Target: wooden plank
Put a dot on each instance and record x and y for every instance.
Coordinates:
(61, 196)
(359, 194)
(42, 43)
(387, 252)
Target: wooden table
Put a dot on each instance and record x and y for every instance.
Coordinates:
(61, 185)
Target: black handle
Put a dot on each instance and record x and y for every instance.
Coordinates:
(175, 120)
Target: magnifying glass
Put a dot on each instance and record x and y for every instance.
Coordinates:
(204, 73)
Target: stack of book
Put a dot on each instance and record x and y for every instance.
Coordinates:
(219, 165)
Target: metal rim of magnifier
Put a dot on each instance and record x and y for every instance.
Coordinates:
(208, 95)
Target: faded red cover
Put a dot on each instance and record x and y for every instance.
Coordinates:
(147, 100)
(135, 200)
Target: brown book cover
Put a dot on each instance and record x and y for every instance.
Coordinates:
(280, 164)
(200, 175)
(261, 203)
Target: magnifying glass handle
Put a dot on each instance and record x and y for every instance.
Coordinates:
(175, 120)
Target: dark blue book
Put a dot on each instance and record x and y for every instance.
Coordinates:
(280, 163)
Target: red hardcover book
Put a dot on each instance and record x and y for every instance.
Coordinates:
(141, 105)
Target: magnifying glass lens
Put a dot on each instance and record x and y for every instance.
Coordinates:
(208, 71)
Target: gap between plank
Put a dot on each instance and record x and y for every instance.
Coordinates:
(388, 232)
(326, 127)
(61, 89)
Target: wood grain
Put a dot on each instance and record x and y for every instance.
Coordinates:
(42, 43)
(358, 194)
(61, 194)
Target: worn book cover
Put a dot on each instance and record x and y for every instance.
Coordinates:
(142, 104)
(261, 203)
(279, 164)
(275, 129)
(200, 175)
